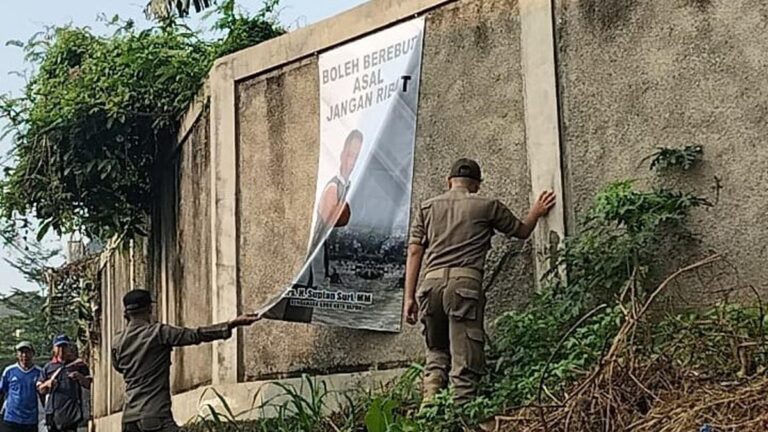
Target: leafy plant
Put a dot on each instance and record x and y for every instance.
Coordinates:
(381, 415)
(685, 158)
(619, 242)
(72, 301)
(95, 121)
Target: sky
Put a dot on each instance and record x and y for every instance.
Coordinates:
(20, 20)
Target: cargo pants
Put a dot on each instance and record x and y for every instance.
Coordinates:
(451, 308)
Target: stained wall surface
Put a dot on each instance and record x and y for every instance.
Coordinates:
(638, 75)
(192, 274)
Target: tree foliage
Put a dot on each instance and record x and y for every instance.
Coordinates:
(24, 313)
(665, 158)
(94, 122)
(25, 321)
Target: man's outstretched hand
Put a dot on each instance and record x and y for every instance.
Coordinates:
(244, 320)
(544, 204)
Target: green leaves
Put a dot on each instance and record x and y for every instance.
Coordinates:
(620, 239)
(99, 114)
(666, 158)
(380, 415)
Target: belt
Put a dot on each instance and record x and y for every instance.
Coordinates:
(445, 273)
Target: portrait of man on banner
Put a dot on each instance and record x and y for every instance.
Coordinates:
(333, 211)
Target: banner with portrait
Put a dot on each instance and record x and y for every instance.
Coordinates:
(355, 267)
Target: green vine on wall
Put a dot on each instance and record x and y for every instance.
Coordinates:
(93, 123)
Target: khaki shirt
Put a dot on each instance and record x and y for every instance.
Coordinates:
(456, 229)
(142, 355)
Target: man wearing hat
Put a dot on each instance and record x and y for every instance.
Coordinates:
(63, 380)
(142, 355)
(451, 235)
(19, 392)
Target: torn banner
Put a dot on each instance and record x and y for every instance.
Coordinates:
(355, 266)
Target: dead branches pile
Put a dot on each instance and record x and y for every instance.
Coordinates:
(643, 392)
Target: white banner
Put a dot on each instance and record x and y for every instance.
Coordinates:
(353, 276)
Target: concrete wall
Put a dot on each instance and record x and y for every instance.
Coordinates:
(122, 269)
(178, 271)
(636, 75)
(471, 65)
(193, 277)
(181, 239)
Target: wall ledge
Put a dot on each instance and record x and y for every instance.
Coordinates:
(308, 41)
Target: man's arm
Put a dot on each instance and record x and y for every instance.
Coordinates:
(116, 361)
(87, 380)
(180, 336)
(332, 211)
(83, 377)
(412, 268)
(40, 396)
(540, 208)
(416, 245)
(46, 384)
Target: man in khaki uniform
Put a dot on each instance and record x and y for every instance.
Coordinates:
(451, 234)
(142, 355)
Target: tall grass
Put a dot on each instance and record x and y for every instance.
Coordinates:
(312, 407)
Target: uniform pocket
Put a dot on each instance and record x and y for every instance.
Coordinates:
(464, 304)
(476, 335)
(422, 298)
(476, 351)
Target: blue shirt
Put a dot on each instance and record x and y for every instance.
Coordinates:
(20, 390)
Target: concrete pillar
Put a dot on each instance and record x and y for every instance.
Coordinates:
(226, 362)
(542, 129)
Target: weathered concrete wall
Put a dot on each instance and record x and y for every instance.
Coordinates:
(177, 271)
(471, 105)
(121, 270)
(192, 366)
(471, 65)
(636, 75)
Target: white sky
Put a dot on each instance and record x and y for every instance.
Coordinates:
(20, 20)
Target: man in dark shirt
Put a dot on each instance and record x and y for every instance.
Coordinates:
(63, 380)
(142, 355)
